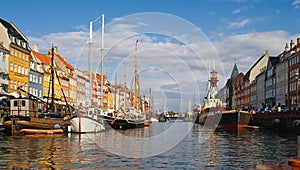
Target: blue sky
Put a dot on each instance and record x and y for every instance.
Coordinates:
(237, 30)
(212, 16)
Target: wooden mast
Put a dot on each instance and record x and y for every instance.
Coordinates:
(136, 78)
(115, 91)
(52, 77)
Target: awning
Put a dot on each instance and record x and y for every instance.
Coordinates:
(16, 95)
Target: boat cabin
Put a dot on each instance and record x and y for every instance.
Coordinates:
(23, 107)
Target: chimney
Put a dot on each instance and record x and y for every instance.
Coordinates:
(292, 44)
(55, 50)
(36, 48)
(286, 49)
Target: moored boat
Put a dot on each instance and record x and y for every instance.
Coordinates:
(41, 131)
(86, 124)
(128, 119)
(24, 113)
(214, 114)
(127, 123)
(26, 116)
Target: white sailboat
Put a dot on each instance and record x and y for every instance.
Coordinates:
(92, 121)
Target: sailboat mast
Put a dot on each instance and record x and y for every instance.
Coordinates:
(136, 79)
(152, 101)
(115, 97)
(102, 65)
(90, 62)
(52, 78)
(125, 91)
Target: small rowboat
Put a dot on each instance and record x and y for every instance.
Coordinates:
(41, 131)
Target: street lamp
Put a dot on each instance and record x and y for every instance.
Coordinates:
(296, 77)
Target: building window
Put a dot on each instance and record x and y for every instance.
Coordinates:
(19, 69)
(15, 85)
(11, 84)
(30, 78)
(4, 57)
(40, 80)
(11, 67)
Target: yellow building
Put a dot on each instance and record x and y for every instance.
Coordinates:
(18, 59)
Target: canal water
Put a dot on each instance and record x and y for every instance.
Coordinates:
(166, 145)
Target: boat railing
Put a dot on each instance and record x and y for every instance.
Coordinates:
(28, 113)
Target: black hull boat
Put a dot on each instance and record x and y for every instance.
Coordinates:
(226, 119)
(126, 124)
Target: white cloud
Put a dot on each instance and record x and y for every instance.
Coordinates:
(173, 65)
(296, 4)
(239, 10)
(238, 24)
(248, 48)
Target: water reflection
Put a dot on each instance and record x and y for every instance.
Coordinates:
(200, 149)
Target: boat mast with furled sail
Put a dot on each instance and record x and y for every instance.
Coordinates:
(131, 116)
(136, 79)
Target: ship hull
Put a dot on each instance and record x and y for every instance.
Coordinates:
(226, 119)
(85, 124)
(24, 122)
(127, 124)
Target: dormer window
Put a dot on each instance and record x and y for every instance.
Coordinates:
(18, 42)
(13, 39)
(24, 44)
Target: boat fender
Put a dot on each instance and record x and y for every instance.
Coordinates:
(56, 126)
(275, 122)
(296, 123)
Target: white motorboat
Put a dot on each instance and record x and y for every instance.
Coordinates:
(87, 123)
